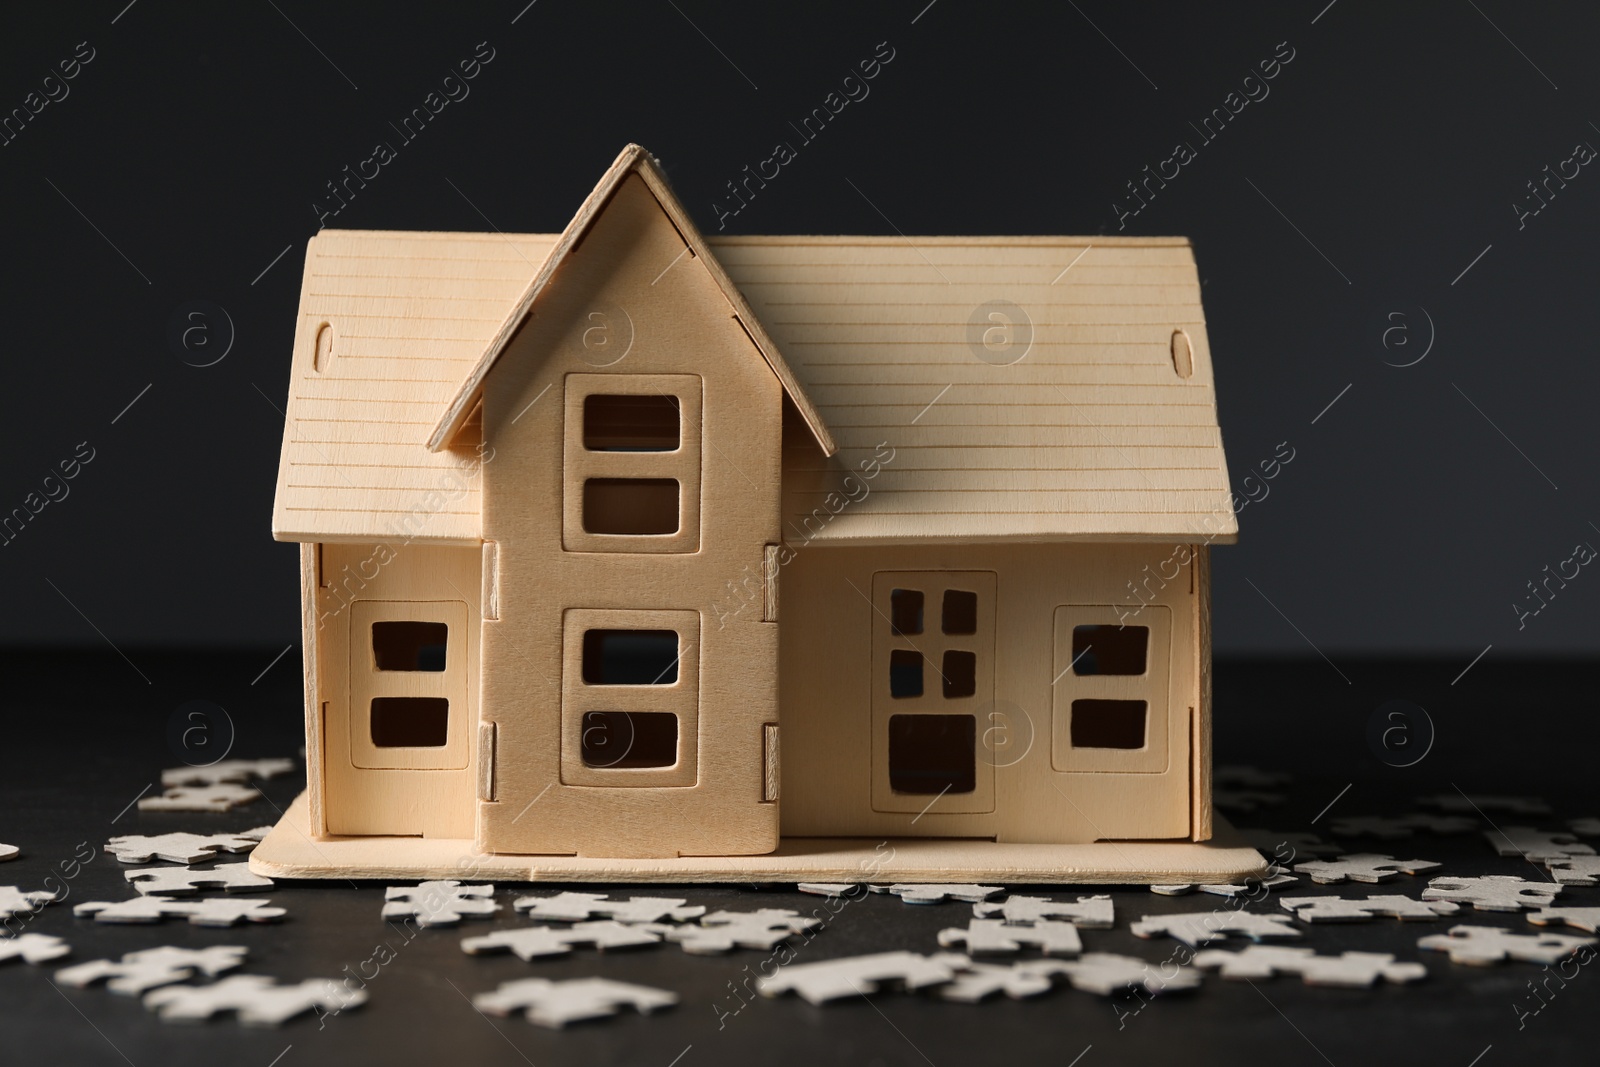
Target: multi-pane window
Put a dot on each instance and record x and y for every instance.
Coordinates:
(408, 671)
(1110, 695)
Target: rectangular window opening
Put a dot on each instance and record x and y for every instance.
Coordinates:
(1108, 723)
(960, 670)
(905, 673)
(630, 507)
(630, 657)
(631, 423)
(960, 614)
(629, 740)
(933, 754)
(409, 646)
(410, 722)
(1109, 649)
(905, 612)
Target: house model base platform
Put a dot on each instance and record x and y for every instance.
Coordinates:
(290, 852)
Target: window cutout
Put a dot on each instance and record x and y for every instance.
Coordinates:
(630, 506)
(905, 612)
(409, 646)
(933, 754)
(410, 722)
(629, 740)
(1108, 723)
(960, 612)
(1109, 649)
(905, 673)
(630, 423)
(630, 657)
(960, 674)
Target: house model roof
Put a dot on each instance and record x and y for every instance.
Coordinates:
(1030, 388)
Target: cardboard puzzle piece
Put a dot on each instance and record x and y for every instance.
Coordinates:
(441, 903)
(1351, 970)
(216, 911)
(151, 968)
(1246, 800)
(1088, 913)
(183, 847)
(1493, 892)
(1393, 828)
(1360, 909)
(1588, 826)
(183, 881)
(1536, 846)
(1287, 846)
(724, 931)
(1460, 804)
(1575, 870)
(33, 948)
(1275, 877)
(255, 999)
(937, 894)
(977, 981)
(1242, 776)
(236, 771)
(990, 936)
(836, 890)
(820, 982)
(1361, 867)
(1484, 945)
(534, 942)
(223, 797)
(1196, 928)
(554, 1004)
(14, 901)
(9, 852)
(1108, 973)
(577, 907)
(1577, 918)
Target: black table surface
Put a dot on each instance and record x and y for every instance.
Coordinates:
(86, 734)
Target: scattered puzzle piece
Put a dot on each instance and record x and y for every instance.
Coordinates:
(723, 931)
(1245, 777)
(223, 797)
(1244, 799)
(33, 948)
(985, 936)
(838, 889)
(216, 911)
(1108, 973)
(153, 967)
(1353, 970)
(1493, 892)
(441, 903)
(976, 981)
(1195, 928)
(1575, 870)
(9, 852)
(1578, 918)
(1276, 876)
(235, 771)
(1286, 846)
(1392, 828)
(1361, 867)
(828, 980)
(183, 847)
(937, 894)
(1090, 913)
(1360, 909)
(1588, 826)
(1482, 945)
(576, 907)
(1537, 846)
(233, 877)
(14, 901)
(254, 998)
(555, 1004)
(1475, 805)
(533, 942)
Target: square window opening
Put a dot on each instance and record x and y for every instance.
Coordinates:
(960, 674)
(1108, 723)
(631, 423)
(630, 507)
(629, 740)
(409, 646)
(630, 657)
(960, 613)
(905, 674)
(1109, 649)
(410, 722)
(905, 612)
(933, 754)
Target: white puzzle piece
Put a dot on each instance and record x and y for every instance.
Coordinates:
(1351, 970)
(1361, 909)
(150, 968)
(236, 771)
(1393, 828)
(183, 881)
(1108, 973)
(1537, 846)
(256, 999)
(534, 942)
(937, 894)
(215, 911)
(223, 797)
(990, 936)
(1482, 945)
(555, 1004)
(828, 980)
(33, 948)
(577, 907)
(14, 901)
(1460, 804)
(724, 931)
(1578, 918)
(1575, 870)
(9, 852)
(1088, 913)
(183, 847)
(1195, 928)
(441, 903)
(1361, 867)
(1493, 892)
(977, 981)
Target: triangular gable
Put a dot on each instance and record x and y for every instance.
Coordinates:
(633, 160)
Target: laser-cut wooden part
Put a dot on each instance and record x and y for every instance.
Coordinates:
(33, 948)
(221, 797)
(1361, 867)
(184, 881)
(1089, 913)
(534, 942)
(14, 901)
(255, 1000)
(182, 847)
(1536, 846)
(1350, 970)
(1578, 918)
(138, 972)
(153, 909)
(724, 931)
(1575, 870)
(1195, 928)
(9, 852)
(1493, 892)
(576, 907)
(985, 936)
(826, 980)
(1361, 909)
(1462, 804)
(442, 903)
(1394, 828)
(237, 771)
(1484, 945)
(554, 1004)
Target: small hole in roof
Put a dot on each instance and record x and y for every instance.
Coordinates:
(1182, 353)
(324, 349)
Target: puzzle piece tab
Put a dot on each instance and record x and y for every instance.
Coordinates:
(828, 980)
(1352, 970)
(1483, 945)
(1361, 867)
(987, 936)
(151, 968)
(555, 1004)
(222, 797)
(1493, 892)
(723, 931)
(1360, 909)
(1088, 913)
(183, 881)
(33, 948)
(576, 907)
(1575, 870)
(216, 911)
(237, 771)
(183, 847)
(534, 942)
(440, 903)
(255, 999)
(1195, 928)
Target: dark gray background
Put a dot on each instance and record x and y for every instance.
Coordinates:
(1386, 159)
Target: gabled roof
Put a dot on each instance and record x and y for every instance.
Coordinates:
(632, 160)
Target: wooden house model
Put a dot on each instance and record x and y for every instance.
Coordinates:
(632, 554)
